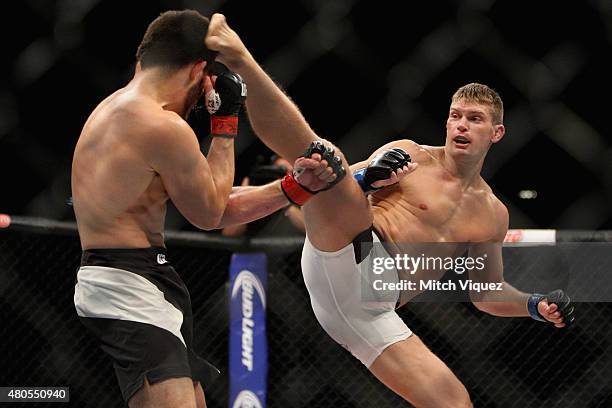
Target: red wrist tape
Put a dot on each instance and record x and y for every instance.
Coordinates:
(294, 191)
(224, 125)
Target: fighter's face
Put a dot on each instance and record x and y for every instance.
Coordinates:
(194, 92)
(198, 81)
(470, 129)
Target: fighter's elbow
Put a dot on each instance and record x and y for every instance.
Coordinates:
(204, 223)
(208, 227)
(212, 221)
(486, 307)
(209, 219)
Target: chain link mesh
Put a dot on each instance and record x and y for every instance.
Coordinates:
(502, 362)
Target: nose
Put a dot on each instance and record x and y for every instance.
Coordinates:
(462, 125)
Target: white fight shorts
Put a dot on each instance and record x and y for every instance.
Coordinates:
(344, 301)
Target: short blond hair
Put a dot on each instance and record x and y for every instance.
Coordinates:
(482, 94)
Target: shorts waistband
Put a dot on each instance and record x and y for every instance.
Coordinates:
(125, 258)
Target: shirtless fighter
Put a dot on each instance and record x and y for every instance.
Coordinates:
(444, 200)
(135, 152)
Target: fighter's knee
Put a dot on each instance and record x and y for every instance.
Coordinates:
(455, 396)
(462, 401)
(199, 395)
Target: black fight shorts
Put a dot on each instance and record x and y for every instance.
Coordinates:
(139, 310)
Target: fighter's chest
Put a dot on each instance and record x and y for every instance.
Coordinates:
(454, 213)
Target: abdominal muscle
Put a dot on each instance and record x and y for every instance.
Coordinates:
(403, 233)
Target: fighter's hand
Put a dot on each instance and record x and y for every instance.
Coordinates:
(396, 176)
(224, 102)
(557, 309)
(224, 40)
(388, 167)
(319, 169)
(313, 173)
(550, 313)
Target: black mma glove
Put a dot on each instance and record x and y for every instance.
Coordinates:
(380, 168)
(558, 297)
(225, 102)
(298, 194)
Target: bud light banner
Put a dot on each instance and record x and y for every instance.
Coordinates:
(248, 353)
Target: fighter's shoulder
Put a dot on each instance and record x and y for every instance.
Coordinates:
(159, 126)
(157, 135)
(169, 124)
(139, 114)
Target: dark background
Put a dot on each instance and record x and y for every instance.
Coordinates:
(363, 73)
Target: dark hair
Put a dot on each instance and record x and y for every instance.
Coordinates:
(175, 39)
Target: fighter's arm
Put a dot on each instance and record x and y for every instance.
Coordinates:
(507, 301)
(198, 186)
(250, 203)
(502, 299)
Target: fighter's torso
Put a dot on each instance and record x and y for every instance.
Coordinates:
(119, 200)
(431, 213)
(430, 205)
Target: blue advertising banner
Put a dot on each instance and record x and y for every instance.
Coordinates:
(248, 353)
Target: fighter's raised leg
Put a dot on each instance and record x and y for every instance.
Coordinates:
(273, 116)
(334, 218)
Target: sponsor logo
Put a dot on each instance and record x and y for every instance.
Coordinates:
(249, 284)
(5, 221)
(514, 236)
(161, 259)
(247, 399)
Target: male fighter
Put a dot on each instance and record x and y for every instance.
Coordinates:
(444, 200)
(134, 153)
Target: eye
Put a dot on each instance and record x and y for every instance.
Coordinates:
(454, 115)
(476, 118)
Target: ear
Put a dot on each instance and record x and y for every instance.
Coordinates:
(500, 131)
(197, 70)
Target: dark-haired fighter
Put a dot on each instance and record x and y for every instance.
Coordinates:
(135, 152)
(445, 200)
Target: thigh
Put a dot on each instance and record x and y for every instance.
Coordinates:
(335, 217)
(199, 395)
(170, 393)
(411, 370)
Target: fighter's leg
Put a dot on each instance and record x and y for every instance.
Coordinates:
(170, 393)
(276, 120)
(199, 395)
(333, 218)
(411, 370)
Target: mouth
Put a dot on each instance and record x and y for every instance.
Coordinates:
(461, 141)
